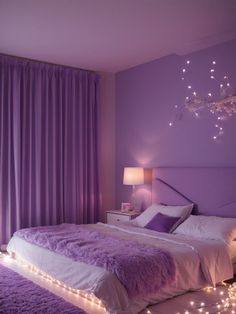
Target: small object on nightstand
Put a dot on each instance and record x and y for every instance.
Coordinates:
(114, 216)
(126, 207)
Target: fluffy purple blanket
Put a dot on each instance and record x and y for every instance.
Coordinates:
(19, 295)
(142, 269)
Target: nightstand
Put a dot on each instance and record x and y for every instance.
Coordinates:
(119, 216)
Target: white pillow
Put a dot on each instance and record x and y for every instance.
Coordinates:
(175, 211)
(209, 227)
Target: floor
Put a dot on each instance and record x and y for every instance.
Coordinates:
(213, 301)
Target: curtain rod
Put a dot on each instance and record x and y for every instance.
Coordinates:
(49, 63)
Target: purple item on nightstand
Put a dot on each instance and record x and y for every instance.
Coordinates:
(162, 223)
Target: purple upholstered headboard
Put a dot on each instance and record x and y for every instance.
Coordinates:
(212, 189)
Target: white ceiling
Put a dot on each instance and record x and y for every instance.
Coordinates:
(112, 35)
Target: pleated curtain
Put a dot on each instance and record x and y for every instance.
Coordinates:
(49, 133)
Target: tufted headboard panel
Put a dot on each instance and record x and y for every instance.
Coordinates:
(211, 189)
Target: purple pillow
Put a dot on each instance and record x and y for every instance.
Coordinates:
(162, 223)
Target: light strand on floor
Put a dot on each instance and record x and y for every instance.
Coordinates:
(226, 304)
(223, 305)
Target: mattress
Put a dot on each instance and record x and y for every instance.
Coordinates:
(198, 263)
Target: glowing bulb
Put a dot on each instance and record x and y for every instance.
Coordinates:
(213, 62)
(209, 94)
(221, 85)
(228, 84)
(188, 62)
(194, 93)
(192, 303)
(202, 303)
(170, 124)
(225, 77)
(212, 70)
(184, 70)
(218, 118)
(189, 86)
(214, 137)
(187, 98)
(7, 259)
(212, 77)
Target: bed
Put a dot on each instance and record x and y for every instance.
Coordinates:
(198, 261)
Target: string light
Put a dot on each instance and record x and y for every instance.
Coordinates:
(90, 297)
(222, 106)
(222, 305)
(227, 303)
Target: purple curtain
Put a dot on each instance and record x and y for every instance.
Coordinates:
(48, 145)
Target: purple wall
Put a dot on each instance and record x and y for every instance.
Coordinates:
(145, 96)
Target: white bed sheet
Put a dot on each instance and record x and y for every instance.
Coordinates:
(198, 263)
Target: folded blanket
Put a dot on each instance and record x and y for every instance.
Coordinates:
(142, 269)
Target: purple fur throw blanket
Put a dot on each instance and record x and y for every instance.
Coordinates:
(142, 269)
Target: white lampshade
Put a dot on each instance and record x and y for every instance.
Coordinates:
(133, 176)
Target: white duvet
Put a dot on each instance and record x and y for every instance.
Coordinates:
(198, 263)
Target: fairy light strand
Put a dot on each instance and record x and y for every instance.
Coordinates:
(90, 297)
(226, 301)
(222, 105)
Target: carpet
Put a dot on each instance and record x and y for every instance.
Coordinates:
(19, 295)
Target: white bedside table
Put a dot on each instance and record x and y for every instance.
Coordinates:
(119, 216)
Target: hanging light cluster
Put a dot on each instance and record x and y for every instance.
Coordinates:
(222, 105)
